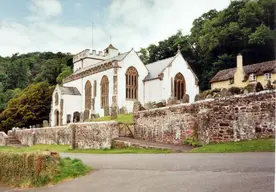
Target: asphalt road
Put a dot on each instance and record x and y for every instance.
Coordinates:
(252, 172)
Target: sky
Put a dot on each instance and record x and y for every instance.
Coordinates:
(66, 25)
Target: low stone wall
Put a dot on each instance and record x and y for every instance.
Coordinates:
(3, 139)
(96, 135)
(48, 135)
(235, 118)
(93, 135)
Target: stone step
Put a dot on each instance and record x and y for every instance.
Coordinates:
(14, 142)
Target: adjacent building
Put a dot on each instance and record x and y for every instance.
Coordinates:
(241, 76)
(106, 79)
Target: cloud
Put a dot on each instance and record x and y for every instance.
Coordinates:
(130, 24)
(44, 9)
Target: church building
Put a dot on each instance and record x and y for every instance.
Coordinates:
(106, 79)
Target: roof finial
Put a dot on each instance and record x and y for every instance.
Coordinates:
(178, 48)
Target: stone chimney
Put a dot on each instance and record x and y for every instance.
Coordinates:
(239, 62)
(239, 74)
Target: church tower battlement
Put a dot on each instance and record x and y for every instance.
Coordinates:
(89, 57)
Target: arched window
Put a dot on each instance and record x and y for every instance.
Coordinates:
(179, 86)
(88, 95)
(131, 83)
(104, 92)
(56, 98)
(56, 118)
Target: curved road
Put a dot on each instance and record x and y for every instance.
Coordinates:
(252, 172)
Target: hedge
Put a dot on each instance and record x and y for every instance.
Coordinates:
(29, 168)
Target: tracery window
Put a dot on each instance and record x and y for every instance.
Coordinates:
(88, 95)
(131, 83)
(179, 86)
(104, 91)
(56, 99)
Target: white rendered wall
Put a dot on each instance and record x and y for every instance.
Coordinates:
(153, 90)
(180, 65)
(156, 90)
(71, 103)
(54, 106)
(89, 61)
(80, 85)
(132, 59)
(85, 63)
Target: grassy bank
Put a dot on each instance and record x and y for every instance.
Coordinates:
(121, 118)
(65, 149)
(35, 169)
(262, 145)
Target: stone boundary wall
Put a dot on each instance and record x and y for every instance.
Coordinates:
(47, 135)
(96, 135)
(92, 135)
(3, 139)
(234, 118)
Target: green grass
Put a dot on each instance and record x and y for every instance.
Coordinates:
(119, 151)
(65, 149)
(121, 118)
(71, 168)
(262, 145)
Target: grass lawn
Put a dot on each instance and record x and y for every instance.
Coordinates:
(65, 149)
(262, 145)
(71, 168)
(121, 118)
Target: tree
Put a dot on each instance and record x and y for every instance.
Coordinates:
(50, 70)
(29, 107)
(246, 27)
(17, 75)
(66, 71)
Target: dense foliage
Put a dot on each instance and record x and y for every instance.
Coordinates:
(246, 27)
(25, 81)
(29, 107)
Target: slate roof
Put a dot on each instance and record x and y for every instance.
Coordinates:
(158, 67)
(257, 69)
(69, 91)
(115, 58)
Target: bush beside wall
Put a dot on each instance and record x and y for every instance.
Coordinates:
(28, 169)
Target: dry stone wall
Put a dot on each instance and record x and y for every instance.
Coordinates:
(234, 118)
(92, 135)
(96, 135)
(3, 139)
(56, 135)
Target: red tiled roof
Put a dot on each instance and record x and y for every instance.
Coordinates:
(257, 69)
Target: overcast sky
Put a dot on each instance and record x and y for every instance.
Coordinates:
(66, 25)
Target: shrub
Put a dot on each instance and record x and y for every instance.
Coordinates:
(234, 90)
(269, 86)
(250, 88)
(259, 87)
